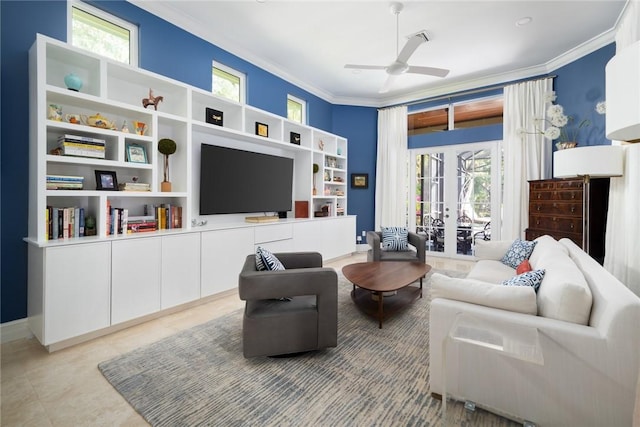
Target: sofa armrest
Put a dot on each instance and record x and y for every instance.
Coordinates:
(492, 249)
(373, 240)
(419, 241)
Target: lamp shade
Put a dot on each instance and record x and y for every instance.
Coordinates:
(596, 161)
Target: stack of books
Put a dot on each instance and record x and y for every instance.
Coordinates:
(64, 182)
(134, 186)
(140, 224)
(82, 146)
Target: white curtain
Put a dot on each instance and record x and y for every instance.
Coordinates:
(526, 157)
(391, 168)
(622, 245)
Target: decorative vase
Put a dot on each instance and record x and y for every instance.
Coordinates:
(165, 186)
(73, 82)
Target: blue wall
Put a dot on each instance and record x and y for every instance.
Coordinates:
(170, 51)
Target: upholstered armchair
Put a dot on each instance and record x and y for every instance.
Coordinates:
(289, 311)
(416, 251)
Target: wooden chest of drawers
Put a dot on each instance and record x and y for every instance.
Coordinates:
(556, 208)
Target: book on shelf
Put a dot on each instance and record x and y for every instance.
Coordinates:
(64, 223)
(75, 145)
(81, 138)
(134, 186)
(62, 182)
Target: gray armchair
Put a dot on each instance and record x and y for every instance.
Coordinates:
(416, 251)
(308, 321)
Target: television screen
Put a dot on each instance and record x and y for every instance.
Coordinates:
(238, 181)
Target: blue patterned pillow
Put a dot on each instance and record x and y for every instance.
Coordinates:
(268, 261)
(531, 278)
(395, 239)
(518, 252)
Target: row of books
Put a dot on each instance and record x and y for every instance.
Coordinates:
(64, 223)
(82, 146)
(134, 186)
(64, 182)
(156, 217)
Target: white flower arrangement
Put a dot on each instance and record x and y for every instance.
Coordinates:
(557, 123)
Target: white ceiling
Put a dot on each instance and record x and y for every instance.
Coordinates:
(308, 42)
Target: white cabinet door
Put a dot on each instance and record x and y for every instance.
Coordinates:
(223, 255)
(338, 237)
(76, 290)
(307, 236)
(135, 278)
(180, 269)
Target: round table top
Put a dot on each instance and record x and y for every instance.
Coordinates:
(384, 276)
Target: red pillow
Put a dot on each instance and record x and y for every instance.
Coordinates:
(523, 267)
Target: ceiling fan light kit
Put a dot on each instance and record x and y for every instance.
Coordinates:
(400, 65)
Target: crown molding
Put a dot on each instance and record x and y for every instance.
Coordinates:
(171, 13)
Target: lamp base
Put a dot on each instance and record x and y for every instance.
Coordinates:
(165, 186)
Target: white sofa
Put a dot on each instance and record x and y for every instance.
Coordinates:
(589, 373)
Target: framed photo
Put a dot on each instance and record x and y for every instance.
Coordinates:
(106, 180)
(214, 116)
(262, 129)
(294, 138)
(360, 180)
(136, 154)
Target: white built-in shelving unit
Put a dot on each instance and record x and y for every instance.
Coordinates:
(83, 286)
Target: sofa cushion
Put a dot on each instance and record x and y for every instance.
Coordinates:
(268, 260)
(395, 239)
(528, 278)
(491, 271)
(519, 251)
(564, 293)
(521, 299)
(523, 267)
(491, 249)
(546, 245)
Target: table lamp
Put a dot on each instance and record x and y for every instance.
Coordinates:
(596, 161)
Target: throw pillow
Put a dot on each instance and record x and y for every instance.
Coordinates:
(518, 252)
(523, 267)
(268, 260)
(530, 278)
(395, 239)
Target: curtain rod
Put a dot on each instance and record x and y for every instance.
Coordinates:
(472, 91)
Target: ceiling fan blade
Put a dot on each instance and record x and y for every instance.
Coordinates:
(430, 71)
(365, 67)
(410, 47)
(387, 84)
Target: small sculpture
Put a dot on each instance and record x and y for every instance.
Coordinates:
(152, 100)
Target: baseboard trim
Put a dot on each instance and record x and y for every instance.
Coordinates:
(15, 330)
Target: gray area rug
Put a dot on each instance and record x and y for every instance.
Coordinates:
(375, 377)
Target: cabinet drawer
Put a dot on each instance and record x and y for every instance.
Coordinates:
(557, 223)
(556, 208)
(556, 195)
(541, 185)
(533, 233)
(569, 185)
(271, 233)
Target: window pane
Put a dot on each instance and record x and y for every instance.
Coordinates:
(428, 121)
(226, 84)
(100, 36)
(478, 113)
(294, 111)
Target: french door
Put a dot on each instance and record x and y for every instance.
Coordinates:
(456, 196)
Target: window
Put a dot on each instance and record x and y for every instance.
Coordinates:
(228, 83)
(296, 109)
(98, 32)
(462, 115)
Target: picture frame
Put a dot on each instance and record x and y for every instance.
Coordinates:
(262, 129)
(136, 153)
(294, 138)
(360, 180)
(106, 180)
(213, 116)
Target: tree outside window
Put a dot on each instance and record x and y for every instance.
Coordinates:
(227, 83)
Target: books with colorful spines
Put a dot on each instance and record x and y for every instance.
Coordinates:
(47, 221)
(141, 226)
(54, 224)
(65, 223)
(108, 224)
(81, 223)
(80, 150)
(64, 178)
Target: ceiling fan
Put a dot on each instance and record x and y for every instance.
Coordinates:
(400, 66)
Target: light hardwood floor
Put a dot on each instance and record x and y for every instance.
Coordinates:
(65, 388)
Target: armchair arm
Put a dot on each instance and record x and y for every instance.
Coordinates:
(253, 284)
(373, 240)
(419, 241)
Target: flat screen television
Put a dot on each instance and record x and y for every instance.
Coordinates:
(238, 181)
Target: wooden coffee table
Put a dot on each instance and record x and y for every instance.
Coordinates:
(379, 277)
